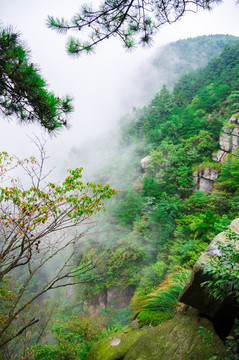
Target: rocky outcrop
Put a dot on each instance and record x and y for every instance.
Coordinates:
(145, 163)
(204, 178)
(195, 295)
(180, 338)
(114, 297)
(221, 312)
(177, 339)
(115, 346)
(229, 142)
(229, 139)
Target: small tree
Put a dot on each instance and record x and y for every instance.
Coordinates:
(38, 224)
(22, 89)
(129, 20)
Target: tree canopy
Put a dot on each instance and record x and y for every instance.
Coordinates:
(133, 21)
(23, 91)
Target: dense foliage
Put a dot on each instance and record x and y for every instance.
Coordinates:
(158, 224)
(224, 282)
(75, 336)
(223, 269)
(164, 223)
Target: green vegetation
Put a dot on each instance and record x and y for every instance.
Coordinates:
(152, 232)
(33, 228)
(161, 304)
(75, 336)
(173, 62)
(223, 270)
(23, 91)
(159, 219)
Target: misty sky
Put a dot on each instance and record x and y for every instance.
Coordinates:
(102, 84)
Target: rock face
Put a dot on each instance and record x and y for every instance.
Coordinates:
(229, 142)
(229, 139)
(221, 313)
(204, 178)
(176, 339)
(114, 297)
(220, 156)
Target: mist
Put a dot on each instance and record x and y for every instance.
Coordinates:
(105, 85)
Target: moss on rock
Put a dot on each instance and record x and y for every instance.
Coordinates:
(177, 339)
(115, 346)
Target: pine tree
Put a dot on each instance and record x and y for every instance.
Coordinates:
(23, 91)
(133, 21)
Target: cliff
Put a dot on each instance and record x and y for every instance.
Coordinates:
(204, 177)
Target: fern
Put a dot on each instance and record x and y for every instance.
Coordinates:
(161, 304)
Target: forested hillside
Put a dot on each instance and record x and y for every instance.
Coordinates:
(159, 221)
(171, 61)
(154, 230)
(177, 58)
(164, 223)
(166, 67)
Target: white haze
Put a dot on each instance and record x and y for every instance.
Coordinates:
(104, 85)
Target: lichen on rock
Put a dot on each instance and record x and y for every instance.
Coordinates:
(115, 346)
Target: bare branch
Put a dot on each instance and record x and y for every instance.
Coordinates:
(35, 225)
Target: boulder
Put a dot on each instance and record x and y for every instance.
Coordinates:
(234, 226)
(177, 339)
(145, 163)
(195, 295)
(205, 185)
(115, 346)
